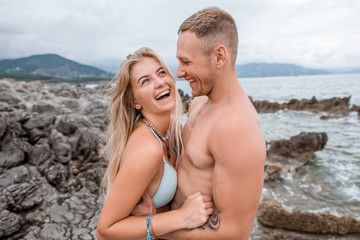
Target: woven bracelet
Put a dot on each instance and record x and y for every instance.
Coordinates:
(148, 233)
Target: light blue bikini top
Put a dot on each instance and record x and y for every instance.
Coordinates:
(168, 184)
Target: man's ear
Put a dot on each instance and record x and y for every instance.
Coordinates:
(221, 55)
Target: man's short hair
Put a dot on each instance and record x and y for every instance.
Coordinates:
(215, 27)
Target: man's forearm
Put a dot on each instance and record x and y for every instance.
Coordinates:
(206, 231)
(218, 227)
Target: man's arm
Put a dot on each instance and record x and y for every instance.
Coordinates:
(238, 148)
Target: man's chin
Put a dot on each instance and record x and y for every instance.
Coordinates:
(195, 93)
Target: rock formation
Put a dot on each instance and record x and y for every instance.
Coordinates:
(51, 164)
(272, 214)
(288, 155)
(328, 108)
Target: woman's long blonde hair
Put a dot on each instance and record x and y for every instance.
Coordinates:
(123, 116)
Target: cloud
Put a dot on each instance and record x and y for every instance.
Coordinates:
(322, 34)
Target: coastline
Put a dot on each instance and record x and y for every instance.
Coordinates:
(54, 135)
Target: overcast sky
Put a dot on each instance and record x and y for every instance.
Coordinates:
(311, 33)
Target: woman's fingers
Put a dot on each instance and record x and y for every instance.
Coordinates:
(208, 205)
(209, 211)
(207, 198)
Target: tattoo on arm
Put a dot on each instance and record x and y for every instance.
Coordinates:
(213, 223)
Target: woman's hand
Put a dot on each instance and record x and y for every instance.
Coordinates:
(196, 210)
(145, 207)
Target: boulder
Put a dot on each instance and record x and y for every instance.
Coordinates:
(186, 99)
(272, 214)
(333, 107)
(68, 124)
(284, 156)
(11, 223)
(11, 154)
(300, 147)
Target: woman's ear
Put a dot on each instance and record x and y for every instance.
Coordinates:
(136, 105)
(220, 54)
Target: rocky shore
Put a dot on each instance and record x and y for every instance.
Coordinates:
(51, 164)
(286, 157)
(51, 161)
(327, 108)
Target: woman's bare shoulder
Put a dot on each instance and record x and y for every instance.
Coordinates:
(143, 145)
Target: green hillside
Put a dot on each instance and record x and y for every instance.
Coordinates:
(51, 65)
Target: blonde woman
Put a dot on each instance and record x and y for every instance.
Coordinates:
(143, 145)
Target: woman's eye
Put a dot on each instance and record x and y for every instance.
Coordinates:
(162, 73)
(144, 81)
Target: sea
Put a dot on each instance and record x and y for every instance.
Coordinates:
(331, 181)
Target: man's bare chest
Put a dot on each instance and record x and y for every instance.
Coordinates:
(196, 144)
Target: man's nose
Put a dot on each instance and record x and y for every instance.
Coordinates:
(180, 73)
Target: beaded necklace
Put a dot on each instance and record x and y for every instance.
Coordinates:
(157, 132)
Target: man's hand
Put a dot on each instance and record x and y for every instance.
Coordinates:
(146, 206)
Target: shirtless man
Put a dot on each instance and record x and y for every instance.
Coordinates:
(224, 148)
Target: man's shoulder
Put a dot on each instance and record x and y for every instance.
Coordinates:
(233, 121)
(227, 116)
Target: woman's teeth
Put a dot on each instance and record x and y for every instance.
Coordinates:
(162, 94)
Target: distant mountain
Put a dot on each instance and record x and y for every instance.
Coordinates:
(355, 70)
(274, 69)
(344, 70)
(51, 65)
(270, 70)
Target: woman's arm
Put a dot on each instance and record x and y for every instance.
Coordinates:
(137, 170)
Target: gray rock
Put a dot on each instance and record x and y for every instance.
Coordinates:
(95, 106)
(100, 121)
(60, 146)
(13, 124)
(9, 97)
(21, 189)
(10, 223)
(54, 231)
(56, 174)
(285, 156)
(11, 155)
(35, 134)
(68, 124)
(64, 90)
(40, 153)
(3, 125)
(272, 214)
(39, 121)
(300, 147)
(5, 107)
(334, 107)
(46, 108)
(87, 144)
(71, 104)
